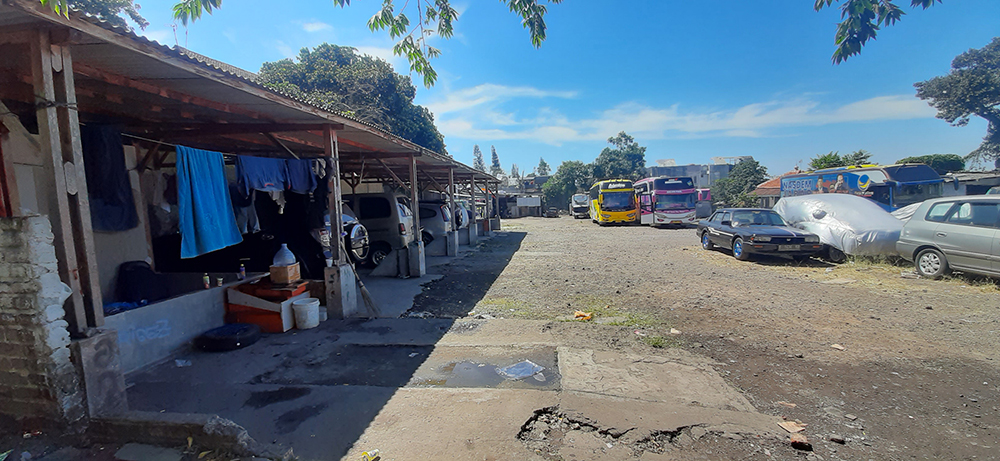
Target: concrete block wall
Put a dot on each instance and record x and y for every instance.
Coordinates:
(38, 380)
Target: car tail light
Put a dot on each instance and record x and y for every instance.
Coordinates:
(402, 229)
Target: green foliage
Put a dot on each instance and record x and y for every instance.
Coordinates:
(433, 17)
(543, 168)
(942, 163)
(572, 177)
(626, 160)
(861, 20)
(111, 11)
(514, 172)
(477, 159)
(340, 79)
(734, 190)
(971, 88)
(834, 160)
(495, 168)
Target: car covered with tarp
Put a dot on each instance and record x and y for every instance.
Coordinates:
(846, 223)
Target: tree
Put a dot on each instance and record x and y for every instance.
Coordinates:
(858, 157)
(834, 160)
(626, 160)
(734, 190)
(514, 172)
(340, 79)
(477, 159)
(543, 168)
(112, 11)
(942, 163)
(861, 21)
(971, 88)
(572, 176)
(495, 168)
(433, 17)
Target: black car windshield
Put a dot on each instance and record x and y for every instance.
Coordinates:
(618, 201)
(757, 218)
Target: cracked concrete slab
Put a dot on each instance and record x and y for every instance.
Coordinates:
(679, 377)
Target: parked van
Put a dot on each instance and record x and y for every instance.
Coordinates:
(958, 233)
(435, 221)
(388, 220)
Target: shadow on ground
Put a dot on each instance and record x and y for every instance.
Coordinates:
(318, 390)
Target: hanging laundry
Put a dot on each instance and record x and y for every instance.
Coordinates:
(112, 208)
(207, 222)
(246, 212)
(260, 173)
(301, 178)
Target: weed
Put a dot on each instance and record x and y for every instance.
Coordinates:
(661, 342)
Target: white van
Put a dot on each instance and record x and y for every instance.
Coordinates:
(388, 220)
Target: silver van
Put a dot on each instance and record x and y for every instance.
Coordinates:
(960, 233)
(388, 220)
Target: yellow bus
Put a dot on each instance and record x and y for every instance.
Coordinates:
(613, 201)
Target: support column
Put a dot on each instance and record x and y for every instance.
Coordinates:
(59, 132)
(341, 283)
(453, 232)
(474, 224)
(417, 261)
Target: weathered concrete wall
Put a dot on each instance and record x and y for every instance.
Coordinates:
(37, 377)
(155, 332)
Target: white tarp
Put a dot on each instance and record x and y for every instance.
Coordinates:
(854, 225)
(904, 214)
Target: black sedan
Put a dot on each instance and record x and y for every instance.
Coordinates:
(749, 231)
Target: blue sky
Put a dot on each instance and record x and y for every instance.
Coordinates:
(689, 80)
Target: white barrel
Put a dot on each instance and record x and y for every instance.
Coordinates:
(306, 313)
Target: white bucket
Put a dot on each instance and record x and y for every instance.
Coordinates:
(306, 313)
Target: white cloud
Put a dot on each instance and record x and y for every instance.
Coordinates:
(489, 121)
(161, 36)
(315, 26)
(285, 50)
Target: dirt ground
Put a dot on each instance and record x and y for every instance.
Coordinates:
(914, 376)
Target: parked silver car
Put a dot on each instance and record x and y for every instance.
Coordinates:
(961, 233)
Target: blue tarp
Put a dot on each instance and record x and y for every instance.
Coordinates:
(207, 222)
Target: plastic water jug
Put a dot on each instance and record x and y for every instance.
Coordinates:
(284, 256)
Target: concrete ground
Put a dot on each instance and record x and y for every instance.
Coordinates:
(431, 389)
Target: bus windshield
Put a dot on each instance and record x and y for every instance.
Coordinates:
(664, 202)
(757, 218)
(908, 194)
(618, 201)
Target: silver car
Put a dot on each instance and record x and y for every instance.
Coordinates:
(960, 233)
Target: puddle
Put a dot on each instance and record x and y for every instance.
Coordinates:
(478, 374)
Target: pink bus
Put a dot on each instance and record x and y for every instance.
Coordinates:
(667, 201)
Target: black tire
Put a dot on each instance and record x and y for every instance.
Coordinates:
(228, 337)
(835, 255)
(706, 242)
(739, 252)
(931, 263)
(378, 252)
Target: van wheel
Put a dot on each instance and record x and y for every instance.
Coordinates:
(378, 252)
(835, 255)
(931, 263)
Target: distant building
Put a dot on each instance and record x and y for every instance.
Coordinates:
(704, 175)
(769, 192)
(969, 182)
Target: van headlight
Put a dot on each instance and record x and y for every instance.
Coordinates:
(760, 238)
(812, 239)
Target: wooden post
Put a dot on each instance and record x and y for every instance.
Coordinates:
(332, 151)
(472, 192)
(59, 132)
(415, 197)
(451, 198)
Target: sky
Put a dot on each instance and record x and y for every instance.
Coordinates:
(688, 80)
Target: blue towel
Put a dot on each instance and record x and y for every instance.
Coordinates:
(261, 173)
(301, 179)
(207, 222)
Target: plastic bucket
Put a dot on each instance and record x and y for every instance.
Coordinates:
(306, 313)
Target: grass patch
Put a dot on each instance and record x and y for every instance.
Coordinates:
(661, 342)
(507, 307)
(638, 321)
